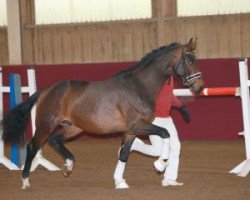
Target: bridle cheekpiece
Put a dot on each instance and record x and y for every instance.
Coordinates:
(187, 78)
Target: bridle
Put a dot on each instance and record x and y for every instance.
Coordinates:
(185, 78)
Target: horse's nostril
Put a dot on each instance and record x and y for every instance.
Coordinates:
(200, 89)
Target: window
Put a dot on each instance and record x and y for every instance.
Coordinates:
(3, 13)
(211, 7)
(75, 11)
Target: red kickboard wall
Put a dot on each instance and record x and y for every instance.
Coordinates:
(212, 118)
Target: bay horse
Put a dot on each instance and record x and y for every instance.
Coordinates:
(123, 103)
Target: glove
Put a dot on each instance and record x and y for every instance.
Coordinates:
(185, 114)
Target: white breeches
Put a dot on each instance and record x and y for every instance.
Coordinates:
(170, 149)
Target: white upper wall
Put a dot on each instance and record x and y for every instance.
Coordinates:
(75, 11)
(211, 7)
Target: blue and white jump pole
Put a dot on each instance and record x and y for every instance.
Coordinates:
(243, 168)
(18, 91)
(15, 99)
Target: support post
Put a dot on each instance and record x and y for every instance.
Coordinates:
(244, 167)
(14, 32)
(39, 159)
(159, 14)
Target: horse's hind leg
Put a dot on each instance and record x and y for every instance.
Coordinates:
(57, 141)
(43, 130)
(127, 142)
(32, 149)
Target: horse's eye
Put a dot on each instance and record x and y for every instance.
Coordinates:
(190, 62)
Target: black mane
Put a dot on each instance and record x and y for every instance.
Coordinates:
(151, 56)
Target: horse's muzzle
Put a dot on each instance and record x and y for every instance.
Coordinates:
(197, 86)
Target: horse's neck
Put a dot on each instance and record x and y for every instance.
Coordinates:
(153, 77)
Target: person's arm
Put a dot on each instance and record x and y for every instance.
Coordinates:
(175, 102)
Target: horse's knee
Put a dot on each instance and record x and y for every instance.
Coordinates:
(164, 133)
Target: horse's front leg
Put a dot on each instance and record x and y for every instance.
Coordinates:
(146, 128)
(123, 154)
(139, 128)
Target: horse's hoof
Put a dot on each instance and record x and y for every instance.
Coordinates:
(65, 171)
(160, 166)
(67, 168)
(158, 172)
(26, 184)
(121, 184)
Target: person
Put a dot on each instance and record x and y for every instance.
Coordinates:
(165, 149)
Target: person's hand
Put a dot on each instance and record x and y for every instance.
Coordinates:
(185, 114)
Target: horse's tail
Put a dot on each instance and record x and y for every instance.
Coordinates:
(15, 121)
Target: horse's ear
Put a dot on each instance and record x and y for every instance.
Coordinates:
(192, 44)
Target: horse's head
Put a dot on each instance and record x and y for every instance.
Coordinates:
(187, 70)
